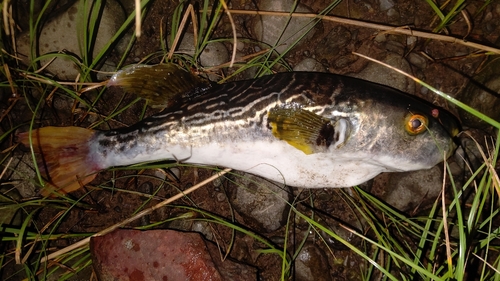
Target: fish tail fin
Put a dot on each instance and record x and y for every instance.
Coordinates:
(63, 157)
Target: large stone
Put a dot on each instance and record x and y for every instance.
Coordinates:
(407, 190)
(64, 33)
(262, 204)
(311, 264)
(215, 53)
(482, 94)
(162, 255)
(280, 31)
(378, 73)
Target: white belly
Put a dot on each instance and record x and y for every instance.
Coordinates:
(283, 163)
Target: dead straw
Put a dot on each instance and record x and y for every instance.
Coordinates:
(86, 241)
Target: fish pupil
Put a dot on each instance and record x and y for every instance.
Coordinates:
(416, 123)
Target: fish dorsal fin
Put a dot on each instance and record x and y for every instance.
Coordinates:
(302, 129)
(163, 85)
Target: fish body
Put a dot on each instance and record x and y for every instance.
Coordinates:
(304, 129)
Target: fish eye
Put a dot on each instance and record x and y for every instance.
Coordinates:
(415, 124)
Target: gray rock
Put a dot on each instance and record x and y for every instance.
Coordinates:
(338, 38)
(9, 214)
(407, 190)
(26, 173)
(417, 60)
(380, 74)
(393, 15)
(204, 228)
(176, 172)
(215, 53)
(342, 232)
(262, 204)
(482, 94)
(186, 222)
(218, 182)
(344, 61)
(309, 64)
(411, 41)
(386, 5)
(474, 143)
(395, 47)
(380, 38)
(269, 29)
(311, 264)
(61, 34)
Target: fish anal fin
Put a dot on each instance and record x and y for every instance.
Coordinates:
(163, 85)
(63, 157)
(301, 129)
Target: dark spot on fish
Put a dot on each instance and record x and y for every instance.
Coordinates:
(126, 138)
(217, 115)
(268, 125)
(326, 135)
(105, 142)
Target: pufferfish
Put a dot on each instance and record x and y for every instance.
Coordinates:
(304, 129)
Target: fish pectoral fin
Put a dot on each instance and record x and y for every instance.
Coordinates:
(163, 85)
(302, 129)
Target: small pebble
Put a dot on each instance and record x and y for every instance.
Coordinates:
(395, 47)
(240, 45)
(146, 188)
(417, 60)
(386, 5)
(176, 172)
(309, 64)
(204, 228)
(221, 197)
(218, 182)
(312, 264)
(393, 15)
(380, 38)
(411, 40)
(160, 174)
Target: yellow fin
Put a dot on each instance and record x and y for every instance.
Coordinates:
(302, 129)
(162, 84)
(63, 159)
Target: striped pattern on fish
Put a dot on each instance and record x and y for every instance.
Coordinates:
(306, 129)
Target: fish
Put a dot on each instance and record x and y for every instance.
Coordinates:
(304, 129)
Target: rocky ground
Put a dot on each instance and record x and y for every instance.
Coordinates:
(261, 206)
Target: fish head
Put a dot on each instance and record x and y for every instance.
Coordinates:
(403, 133)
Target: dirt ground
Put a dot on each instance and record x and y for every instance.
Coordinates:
(449, 66)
